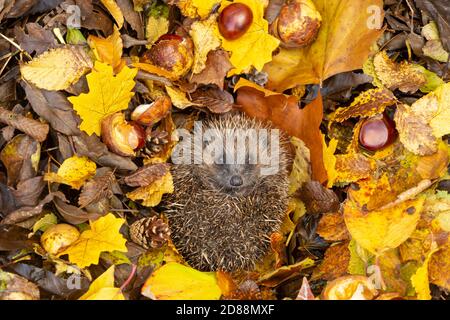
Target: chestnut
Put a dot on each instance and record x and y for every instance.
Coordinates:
(173, 53)
(122, 137)
(235, 20)
(377, 132)
(297, 24)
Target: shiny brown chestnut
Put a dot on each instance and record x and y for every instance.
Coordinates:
(377, 132)
(235, 20)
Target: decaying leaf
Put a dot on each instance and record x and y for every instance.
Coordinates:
(332, 227)
(151, 194)
(57, 69)
(108, 50)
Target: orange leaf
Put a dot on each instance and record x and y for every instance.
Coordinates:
(285, 114)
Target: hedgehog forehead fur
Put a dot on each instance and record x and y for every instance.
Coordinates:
(222, 214)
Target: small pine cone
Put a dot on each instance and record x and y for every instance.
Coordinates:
(150, 232)
(155, 142)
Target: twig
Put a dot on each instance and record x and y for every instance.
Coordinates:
(16, 45)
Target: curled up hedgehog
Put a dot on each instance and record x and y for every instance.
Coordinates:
(224, 207)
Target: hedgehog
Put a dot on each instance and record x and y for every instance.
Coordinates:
(224, 210)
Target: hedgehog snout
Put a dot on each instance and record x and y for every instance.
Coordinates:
(236, 181)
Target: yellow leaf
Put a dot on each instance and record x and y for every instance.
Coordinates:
(108, 94)
(103, 236)
(115, 11)
(329, 160)
(108, 50)
(440, 119)
(439, 268)
(155, 70)
(301, 168)
(245, 83)
(343, 44)
(155, 28)
(179, 98)
(378, 231)
(205, 40)
(103, 288)
(195, 8)
(420, 279)
(174, 281)
(74, 171)
(152, 194)
(57, 69)
(255, 47)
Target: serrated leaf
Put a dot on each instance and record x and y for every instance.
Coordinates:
(57, 69)
(104, 235)
(152, 194)
(108, 93)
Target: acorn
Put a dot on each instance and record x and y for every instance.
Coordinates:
(173, 53)
(377, 132)
(297, 24)
(122, 137)
(58, 237)
(234, 20)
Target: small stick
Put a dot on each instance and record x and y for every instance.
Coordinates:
(31, 127)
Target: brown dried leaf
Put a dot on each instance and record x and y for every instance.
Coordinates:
(28, 191)
(37, 40)
(332, 227)
(403, 76)
(214, 99)
(317, 198)
(147, 175)
(99, 187)
(334, 264)
(217, 66)
(31, 127)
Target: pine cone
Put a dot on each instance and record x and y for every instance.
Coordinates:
(150, 232)
(155, 142)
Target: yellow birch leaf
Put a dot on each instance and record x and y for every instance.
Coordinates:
(74, 171)
(329, 160)
(255, 47)
(103, 288)
(104, 236)
(174, 281)
(343, 44)
(155, 28)
(152, 194)
(378, 231)
(57, 69)
(108, 50)
(108, 94)
(115, 11)
(205, 40)
(420, 279)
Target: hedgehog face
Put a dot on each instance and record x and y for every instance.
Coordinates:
(234, 179)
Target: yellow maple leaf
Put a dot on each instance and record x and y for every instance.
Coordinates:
(174, 281)
(205, 40)
(255, 47)
(380, 230)
(108, 50)
(152, 194)
(103, 288)
(343, 44)
(57, 69)
(197, 8)
(115, 11)
(74, 171)
(103, 236)
(107, 94)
